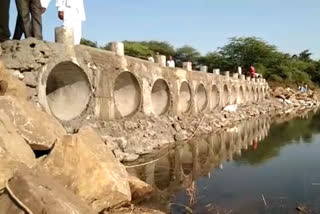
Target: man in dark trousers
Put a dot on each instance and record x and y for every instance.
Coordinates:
(4, 20)
(31, 27)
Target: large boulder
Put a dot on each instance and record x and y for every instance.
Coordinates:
(139, 189)
(12, 143)
(85, 165)
(36, 192)
(8, 167)
(14, 151)
(39, 129)
(7, 205)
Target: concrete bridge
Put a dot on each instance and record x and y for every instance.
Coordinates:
(78, 82)
(198, 158)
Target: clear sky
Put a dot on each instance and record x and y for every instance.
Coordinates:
(291, 25)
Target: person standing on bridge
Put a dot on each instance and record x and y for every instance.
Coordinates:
(252, 72)
(4, 20)
(171, 63)
(30, 27)
(72, 13)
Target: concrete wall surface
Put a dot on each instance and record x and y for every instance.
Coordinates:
(73, 82)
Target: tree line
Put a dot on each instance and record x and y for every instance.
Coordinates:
(273, 64)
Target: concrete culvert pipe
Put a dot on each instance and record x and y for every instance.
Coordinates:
(215, 97)
(225, 98)
(160, 96)
(201, 97)
(241, 98)
(234, 95)
(127, 94)
(68, 91)
(185, 97)
(248, 97)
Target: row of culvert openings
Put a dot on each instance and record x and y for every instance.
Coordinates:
(68, 93)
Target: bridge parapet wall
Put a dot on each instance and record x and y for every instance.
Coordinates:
(78, 81)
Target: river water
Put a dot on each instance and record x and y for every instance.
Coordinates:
(260, 166)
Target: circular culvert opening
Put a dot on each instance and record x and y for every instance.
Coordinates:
(234, 95)
(225, 99)
(201, 97)
(241, 96)
(248, 99)
(185, 97)
(127, 94)
(68, 91)
(160, 96)
(215, 96)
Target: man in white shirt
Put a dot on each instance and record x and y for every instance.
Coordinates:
(171, 63)
(150, 58)
(72, 13)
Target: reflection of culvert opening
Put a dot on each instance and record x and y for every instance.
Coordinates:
(127, 94)
(187, 160)
(160, 97)
(225, 95)
(185, 97)
(201, 97)
(215, 97)
(163, 173)
(68, 91)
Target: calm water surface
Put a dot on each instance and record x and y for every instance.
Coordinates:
(260, 166)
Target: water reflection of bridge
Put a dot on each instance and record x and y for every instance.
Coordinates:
(198, 157)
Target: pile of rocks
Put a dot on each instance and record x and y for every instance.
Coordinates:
(295, 98)
(45, 170)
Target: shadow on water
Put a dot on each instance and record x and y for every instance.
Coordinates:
(258, 166)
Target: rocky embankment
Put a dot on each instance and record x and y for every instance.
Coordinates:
(133, 137)
(44, 169)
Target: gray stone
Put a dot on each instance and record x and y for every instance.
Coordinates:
(38, 128)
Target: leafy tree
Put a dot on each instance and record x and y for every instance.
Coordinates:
(136, 49)
(247, 51)
(187, 54)
(163, 48)
(88, 43)
(305, 56)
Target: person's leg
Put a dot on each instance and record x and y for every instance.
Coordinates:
(19, 29)
(36, 19)
(4, 20)
(24, 11)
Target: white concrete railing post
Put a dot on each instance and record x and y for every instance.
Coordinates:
(204, 68)
(243, 77)
(161, 60)
(216, 71)
(227, 73)
(64, 35)
(235, 75)
(187, 66)
(118, 48)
